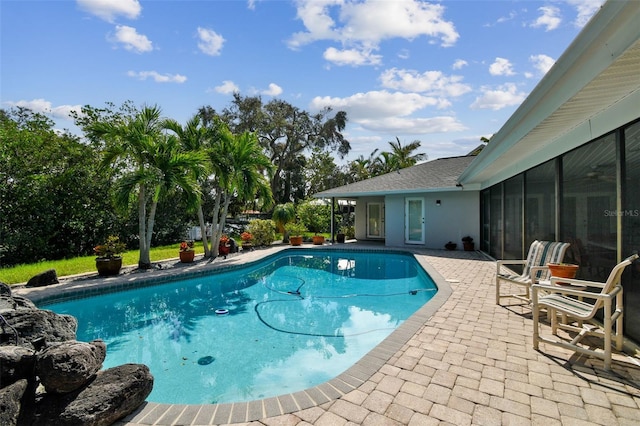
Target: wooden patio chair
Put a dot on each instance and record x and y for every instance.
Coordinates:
(534, 269)
(578, 309)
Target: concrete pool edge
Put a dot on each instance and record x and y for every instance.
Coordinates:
(242, 412)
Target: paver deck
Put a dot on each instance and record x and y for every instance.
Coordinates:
(460, 360)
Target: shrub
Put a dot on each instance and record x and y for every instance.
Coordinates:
(316, 217)
(263, 231)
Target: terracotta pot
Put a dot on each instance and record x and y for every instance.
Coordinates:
(450, 246)
(318, 239)
(563, 270)
(295, 241)
(187, 256)
(108, 266)
(468, 246)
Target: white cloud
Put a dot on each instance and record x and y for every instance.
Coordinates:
(362, 25)
(108, 10)
(131, 40)
(227, 87)
(586, 9)
(389, 112)
(351, 57)
(273, 90)
(549, 19)
(157, 77)
(542, 62)
(210, 42)
(495, 99)
(44, 107)
(433, 83)
(501, 66)
(459, 63)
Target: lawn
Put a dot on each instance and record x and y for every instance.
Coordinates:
(85, 264)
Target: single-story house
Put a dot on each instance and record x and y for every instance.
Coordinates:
(565, 166)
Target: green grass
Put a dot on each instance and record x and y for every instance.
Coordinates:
(79, 265)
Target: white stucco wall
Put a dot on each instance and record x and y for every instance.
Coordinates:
(457, 216)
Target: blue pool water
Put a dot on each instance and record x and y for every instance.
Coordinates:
(293, 322)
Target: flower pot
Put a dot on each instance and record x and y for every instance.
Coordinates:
(108, 266)
(450, 246)
(187, 256)
(247, 246)
(295, 241)
(340, 238)
(563, 270)
(468, 246)
(223, 249)
(318, 240)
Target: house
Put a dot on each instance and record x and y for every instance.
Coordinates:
(565, 166)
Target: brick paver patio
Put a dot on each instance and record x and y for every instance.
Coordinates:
(466, 362)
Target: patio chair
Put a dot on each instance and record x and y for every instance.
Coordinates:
(534, 268)
(578, 309)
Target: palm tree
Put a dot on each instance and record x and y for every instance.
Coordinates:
(283, 214)
(153, 165)
(239, 165)
(195, 137)
(403, 155)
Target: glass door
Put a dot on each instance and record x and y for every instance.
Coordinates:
(414, 226)
(375, 220)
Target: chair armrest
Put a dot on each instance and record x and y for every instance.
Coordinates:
(500, 263)
(566, 290)
(574, 281)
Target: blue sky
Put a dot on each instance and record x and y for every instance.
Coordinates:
(444, 73)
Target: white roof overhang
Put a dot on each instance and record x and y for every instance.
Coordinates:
(593, 88)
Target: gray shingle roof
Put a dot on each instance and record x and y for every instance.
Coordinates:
(439, 174)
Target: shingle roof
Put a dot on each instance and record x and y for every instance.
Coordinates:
(434, 175)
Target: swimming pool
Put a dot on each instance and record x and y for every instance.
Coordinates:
(284, 324)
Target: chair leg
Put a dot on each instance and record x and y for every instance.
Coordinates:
(607, 334)
(536, 323)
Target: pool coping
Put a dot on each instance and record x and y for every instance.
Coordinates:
(242, 412)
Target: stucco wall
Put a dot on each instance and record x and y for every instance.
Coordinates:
(456, 217)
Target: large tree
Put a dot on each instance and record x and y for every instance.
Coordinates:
(287, 133)
(150, 164)
(53, 204)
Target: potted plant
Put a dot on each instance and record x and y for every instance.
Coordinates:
(295, 231)
(223, 246)
(187, 252)
(467, 243)
(318, 239)
(345, 232)
(247, 238)
(450, 245)
(109, 260)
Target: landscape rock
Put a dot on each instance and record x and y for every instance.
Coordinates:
(45, 278)
(5, 289)
(112, 395)
(22, 302)
(37, 324)
(16, 363)
(6, 303)
(67, 366)
(11, 403)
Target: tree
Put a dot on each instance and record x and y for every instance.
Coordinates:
(53, 204)
(315, 215)
(240, 167)
(198, 138)
(150, 166)
(403, 156)
(286, 132)
(283, 214)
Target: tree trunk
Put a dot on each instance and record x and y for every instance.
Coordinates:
(145, 258)
(203, 229)
(216, 232)
(142, 215)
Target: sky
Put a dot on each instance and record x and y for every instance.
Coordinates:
(443, 73)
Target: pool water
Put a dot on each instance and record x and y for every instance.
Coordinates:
(279, 326)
